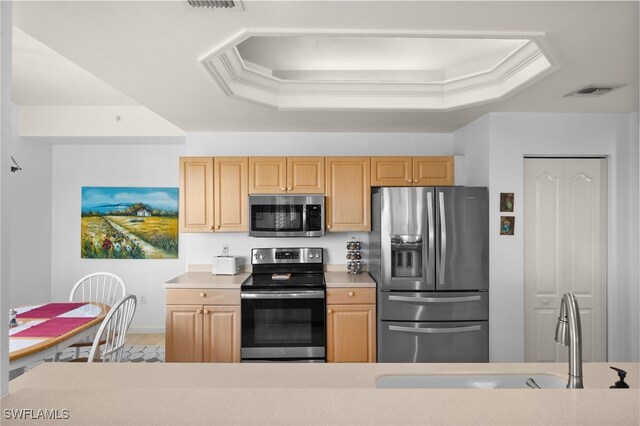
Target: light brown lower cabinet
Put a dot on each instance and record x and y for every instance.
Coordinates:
(202, 332)
(351, 325)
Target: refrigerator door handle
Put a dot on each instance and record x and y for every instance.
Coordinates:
(431, 236)
(431, 330)
(443, 239)
(418, 299)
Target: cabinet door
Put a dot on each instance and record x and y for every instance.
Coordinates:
(183, 338)
(221, 334)
(196, 194)
(267, 175)
(348, 196)
(391, 171)
(231, 195)
(433, 171)
(305, 175)
(351, 333)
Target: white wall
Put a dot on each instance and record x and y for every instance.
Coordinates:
(75, 166)
(473, 141)
(6, 17)
(152, 164)
(29, 211)
(513, 136)
(634, 130)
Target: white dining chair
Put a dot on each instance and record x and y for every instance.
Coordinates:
(112, 334)
(100, 287)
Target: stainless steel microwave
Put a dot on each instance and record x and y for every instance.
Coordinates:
(286, 215)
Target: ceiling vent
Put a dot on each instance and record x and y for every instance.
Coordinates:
(594, 90)
(217, 4)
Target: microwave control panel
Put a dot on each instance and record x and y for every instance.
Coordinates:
(314, 217)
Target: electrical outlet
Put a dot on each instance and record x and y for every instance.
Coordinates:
(143, 300)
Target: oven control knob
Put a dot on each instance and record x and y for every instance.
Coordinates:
(317, 255)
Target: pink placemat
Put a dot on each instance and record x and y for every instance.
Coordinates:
(51, 310)
(53, 328)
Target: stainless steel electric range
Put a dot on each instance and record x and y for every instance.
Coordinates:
(283, 306)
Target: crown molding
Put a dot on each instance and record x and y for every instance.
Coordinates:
(532, 61)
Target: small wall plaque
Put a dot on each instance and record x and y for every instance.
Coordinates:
(507, 225)
(506, 201)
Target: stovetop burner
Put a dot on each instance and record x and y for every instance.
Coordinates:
(294, 281)
(286, 268)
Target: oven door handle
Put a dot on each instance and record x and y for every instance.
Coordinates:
(310, 294)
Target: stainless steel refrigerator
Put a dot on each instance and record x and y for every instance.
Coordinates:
(429, 255)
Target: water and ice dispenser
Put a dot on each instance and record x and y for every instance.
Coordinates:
(406, 256)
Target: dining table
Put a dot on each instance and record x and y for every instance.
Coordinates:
(45, 330)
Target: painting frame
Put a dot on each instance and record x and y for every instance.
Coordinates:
(126, 222)
(507, 225)
(507, 202)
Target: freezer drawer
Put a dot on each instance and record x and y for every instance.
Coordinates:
(466, 341)
(433, 306)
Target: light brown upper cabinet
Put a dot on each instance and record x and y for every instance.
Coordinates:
(213, 194)
(196, 194)
(412, 171)
(293, 175)
(433, 171)
(305, 175)
(348, 194)
(391, 171)
(231, 194)
(267, 175)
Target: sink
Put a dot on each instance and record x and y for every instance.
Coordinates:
(470, 381)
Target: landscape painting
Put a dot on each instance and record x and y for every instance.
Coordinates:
(129, 223)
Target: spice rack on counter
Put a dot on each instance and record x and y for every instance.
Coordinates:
(354, 256)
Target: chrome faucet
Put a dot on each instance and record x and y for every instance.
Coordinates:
(569, 332)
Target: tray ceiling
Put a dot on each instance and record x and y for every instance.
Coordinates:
(369, 51)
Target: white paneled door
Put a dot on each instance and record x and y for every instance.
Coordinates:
(565, 251)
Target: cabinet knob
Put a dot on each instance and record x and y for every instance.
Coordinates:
(409, 180)
(290, 188)
(206, 312)
(415, 181)
(545, 302)
(329, 311)
(328, 226)
(351, 294)
(199, 311)
(212, 227)
(217, 227)
(203, 294)
(284, 188)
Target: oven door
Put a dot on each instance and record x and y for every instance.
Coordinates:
(283, 325)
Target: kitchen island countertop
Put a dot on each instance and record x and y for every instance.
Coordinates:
(158, 394)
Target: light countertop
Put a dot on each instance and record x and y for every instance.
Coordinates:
(158, 394)
(201, 279)
(343, 279)
(205, 279)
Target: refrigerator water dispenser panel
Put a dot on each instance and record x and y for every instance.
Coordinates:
(406, 256)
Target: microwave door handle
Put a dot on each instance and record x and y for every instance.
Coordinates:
(432, 330)
(443, 239)
(304, 218)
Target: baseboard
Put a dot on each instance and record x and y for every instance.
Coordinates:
(143, 330)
